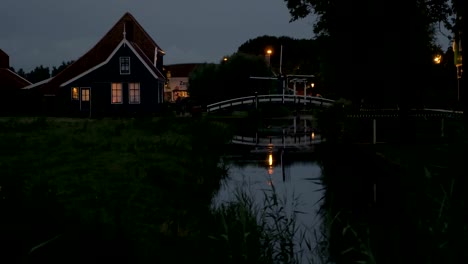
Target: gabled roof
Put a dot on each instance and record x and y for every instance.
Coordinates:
(146, 60)
(99, 54)
(4, 59)
(11, 81)
(34, 85)
(138, 53)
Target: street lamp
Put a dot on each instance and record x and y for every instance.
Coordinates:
(437, 59)
(269, 52)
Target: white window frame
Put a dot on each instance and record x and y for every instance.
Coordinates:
(116, 85)
(81, 94)
(134, 87)
(124, 61)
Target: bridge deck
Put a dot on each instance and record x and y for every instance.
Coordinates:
(286, 141)
(270, 98)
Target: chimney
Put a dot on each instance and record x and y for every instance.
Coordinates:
(4, 60)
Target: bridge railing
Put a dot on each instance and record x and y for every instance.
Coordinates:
(283, 98)
(280, 141)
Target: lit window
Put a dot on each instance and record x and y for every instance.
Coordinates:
(85, 95)
(75, 93)
(134, 93)
(124, 65)
(116, 93)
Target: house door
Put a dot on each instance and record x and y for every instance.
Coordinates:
(85, 102)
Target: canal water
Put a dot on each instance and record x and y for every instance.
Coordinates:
(293, 175)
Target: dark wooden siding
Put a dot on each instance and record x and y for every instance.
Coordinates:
(101, 79)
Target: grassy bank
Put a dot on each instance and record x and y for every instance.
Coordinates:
(132, 190)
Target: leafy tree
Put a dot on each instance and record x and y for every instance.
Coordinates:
(300, 56)
(65, 64)
(21, 73)
(39, 73)
(373, 51)
(203, 83)
(403, 19)
(229, 79)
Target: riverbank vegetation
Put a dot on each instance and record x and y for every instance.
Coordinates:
(132, 190)
(400, 200)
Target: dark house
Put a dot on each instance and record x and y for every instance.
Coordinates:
(10, 84)
(120, 75)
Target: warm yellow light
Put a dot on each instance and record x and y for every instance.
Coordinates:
(270, 170)
(312, 135)
(75, 93)
(225, 59)
(312, 85)
(270, 159)
(437, 59)
(269, 51)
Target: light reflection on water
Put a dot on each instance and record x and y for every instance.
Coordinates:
(298, 181)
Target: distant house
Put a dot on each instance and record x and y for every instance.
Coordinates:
(10, 84)
(177, 76)
(121, 74)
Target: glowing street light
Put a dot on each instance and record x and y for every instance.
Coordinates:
(269, 52)
(437, 59)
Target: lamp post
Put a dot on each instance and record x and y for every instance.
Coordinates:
(305, 89)
(456, 47)
(269, 52)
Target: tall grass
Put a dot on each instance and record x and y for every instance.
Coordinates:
(266, 231)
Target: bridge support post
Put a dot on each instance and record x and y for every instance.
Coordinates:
(374, 125)
(256, 100)
(284, 90)
(294, 125)
(282, 138)
(375, 193)
(282, 165)
(305, 130)
(442, 128)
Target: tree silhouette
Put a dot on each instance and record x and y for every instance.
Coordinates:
(231, 78)
(21, 73)
(57, 70)
(299, 56)
(39, 73)
(397, 33)
(374, 51)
